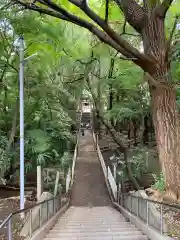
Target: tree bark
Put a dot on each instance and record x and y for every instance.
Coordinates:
(146, 131)
(163, 99)
(11, 169)
(166, 123)
(135, 128)
(111, 93)
(13, 129)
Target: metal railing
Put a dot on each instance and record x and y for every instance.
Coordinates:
(163, 217)
(37, 215)
(106, 169)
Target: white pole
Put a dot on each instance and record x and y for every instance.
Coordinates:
(39, 182)
(21, 101)
(56, 183)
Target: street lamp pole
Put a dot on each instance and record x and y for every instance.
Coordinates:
(21, 108)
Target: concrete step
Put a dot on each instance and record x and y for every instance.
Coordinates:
(93, 234)
(90, 221)
(91, 227)
(96, 223)
(143, 237)
(94, 226)
(91, 215)
(77, 230)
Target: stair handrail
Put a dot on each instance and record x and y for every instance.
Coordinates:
(71, 169)
(174, 205)
(6, 220)
(56, 202)
(142, 207)
(109, 178)
(70, 174)
(151, 212)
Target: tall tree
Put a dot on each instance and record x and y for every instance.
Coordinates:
(148, 19)
(51, 90)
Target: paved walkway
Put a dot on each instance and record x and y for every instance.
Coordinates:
(89, 187)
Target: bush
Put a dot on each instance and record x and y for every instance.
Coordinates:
(159, 182)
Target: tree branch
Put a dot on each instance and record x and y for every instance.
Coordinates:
(164, 7)
(41, 10)
(76, 20)
(75, 80)
(129, 59)
(108, 36)
(107, 11)
(64, 50)
(156, 83)
(132, 52)
(89, 62)
(133, 13)
(125, 33)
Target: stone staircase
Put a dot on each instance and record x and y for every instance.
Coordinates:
(95, 223)
(91, 216)
(86, 118)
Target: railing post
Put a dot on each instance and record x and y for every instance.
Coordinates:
(161, 219)
(137, 207)
(54, 205)
(40, 216)
(118, 196)
(147, 212)
(60, 199)
(30, 223)
(130, 204)
(10, 229)
(47, 206)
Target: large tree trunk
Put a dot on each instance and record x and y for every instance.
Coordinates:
(163, 97)
(166, 123)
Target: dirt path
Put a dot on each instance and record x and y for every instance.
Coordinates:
(89, 187)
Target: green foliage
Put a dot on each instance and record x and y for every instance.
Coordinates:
(54, 82)
(159, 182)
(50, 94)
(4, 157)
(66, 161)
(39, 140)
(141, 161)
(120, 113)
